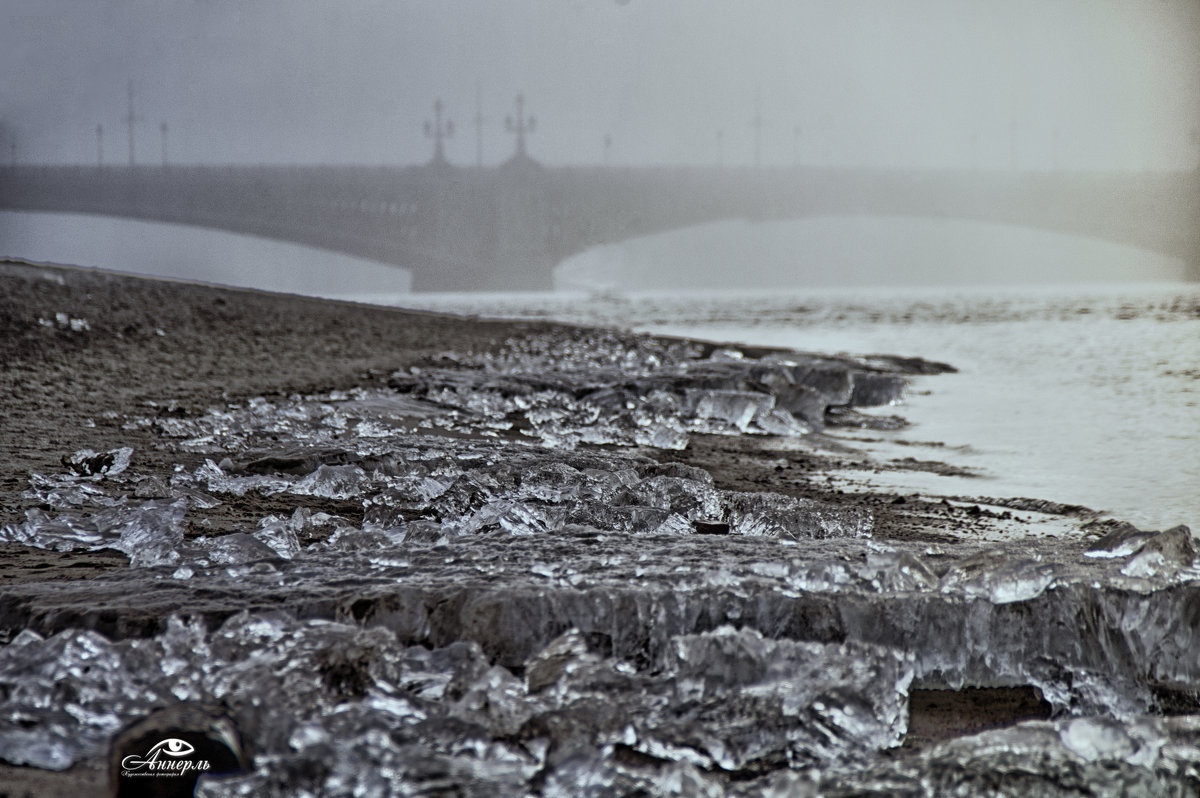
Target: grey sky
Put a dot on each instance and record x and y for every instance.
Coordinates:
(1078, 83)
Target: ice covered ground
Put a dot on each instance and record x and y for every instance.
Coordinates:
(532, 604)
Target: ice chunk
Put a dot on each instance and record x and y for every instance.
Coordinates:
(61, 698)
(778, 421)
(236, 548)
(1008, 582)
(68, 492)
(515, 518)
(1096, 739)
(152, 533)
(88, 463)
(280, 534)
(775, 515)
(1121, 542)
(744, 699)
(1163, 554)
(216, 480)
(896, 571)
(149, 533)
(548, 666)
(593, 775)
(872, 389)
(1149, 756)
(999, 576)
(736, 408)
(333, 482)
(687, 497)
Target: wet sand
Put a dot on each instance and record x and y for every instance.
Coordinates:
(82, 351)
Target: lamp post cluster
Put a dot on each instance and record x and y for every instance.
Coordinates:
(439, 129)
(131, 120)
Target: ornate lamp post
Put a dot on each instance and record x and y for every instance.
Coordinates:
(520, 126)
(131, 120)
(479, 122)
(438, 130)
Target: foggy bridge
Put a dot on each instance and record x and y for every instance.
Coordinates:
(505, 228)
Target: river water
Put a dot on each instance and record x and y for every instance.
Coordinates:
(1085, 394)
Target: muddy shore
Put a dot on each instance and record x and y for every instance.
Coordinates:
(84, 353)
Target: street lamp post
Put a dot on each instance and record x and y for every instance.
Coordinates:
(438, 130)
(131, 120)
(520, 125)
(479, 120)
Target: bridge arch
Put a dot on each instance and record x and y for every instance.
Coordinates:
(841, 250)
(507, 227)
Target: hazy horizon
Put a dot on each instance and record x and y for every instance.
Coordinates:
(1072, 84)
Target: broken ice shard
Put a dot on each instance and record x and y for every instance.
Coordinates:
(774, 515)
(88, 463)
(149, 533)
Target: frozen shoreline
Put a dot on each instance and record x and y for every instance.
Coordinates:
(539, 501)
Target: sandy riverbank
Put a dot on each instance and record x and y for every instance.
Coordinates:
(85, 354)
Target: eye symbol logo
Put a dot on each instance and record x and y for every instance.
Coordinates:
(172, 746)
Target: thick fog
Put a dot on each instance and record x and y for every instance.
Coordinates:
(1024, 84)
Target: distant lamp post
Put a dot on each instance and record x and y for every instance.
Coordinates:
(131, 120)
(438, 130)
(479, 121)
(520, 125)
(757, 124)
